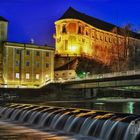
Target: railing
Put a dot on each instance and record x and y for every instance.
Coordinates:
(101, 76)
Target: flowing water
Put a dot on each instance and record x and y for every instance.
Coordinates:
(42, 122)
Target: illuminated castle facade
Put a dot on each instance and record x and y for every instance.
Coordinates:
(80, 35)
(24, 65)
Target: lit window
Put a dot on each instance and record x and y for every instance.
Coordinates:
(27, 52)
(37, 64)
(47, 65)
(37, 53)
(66, 44)
(17, 51)
(27, 63)
(27, 76)
(47, 53)
(47, 77)
(17, 63)
(37, 76)
(17, 75)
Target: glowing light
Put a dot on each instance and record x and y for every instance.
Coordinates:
(73, 48)
(131, 107)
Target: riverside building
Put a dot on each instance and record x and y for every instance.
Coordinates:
(24, 65)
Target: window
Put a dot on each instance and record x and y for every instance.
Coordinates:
(87, 33)
(17, 51)
(47, 53)
(37, 64)
(105, 39)
(37, 76)
(101, 36)
(83, 40)
(109, 39)
(47, 65)
(17, 63)
(92, 35)
(64, 29)
(27, 76)
(79, 30)
(27, 63)
(66, 44)
(27, 52)
(58, 39)
(17, 75)
(37, 53)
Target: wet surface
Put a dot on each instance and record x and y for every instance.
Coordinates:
(11, 131)
(14, 131)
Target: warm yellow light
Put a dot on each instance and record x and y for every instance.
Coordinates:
(72, 48)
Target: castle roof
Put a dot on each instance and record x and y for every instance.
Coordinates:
(3, 19)
(100, 24)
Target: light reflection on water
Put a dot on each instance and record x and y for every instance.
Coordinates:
(10, 131)
(15, 132)
(123, 107)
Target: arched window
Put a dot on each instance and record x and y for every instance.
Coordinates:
(64, 29)
(79, 30)
(86, 32)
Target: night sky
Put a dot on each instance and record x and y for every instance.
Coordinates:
(35, 18)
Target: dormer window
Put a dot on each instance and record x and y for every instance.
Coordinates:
(64, 29)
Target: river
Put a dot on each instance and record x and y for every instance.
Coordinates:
(115, 105)
(14, 131)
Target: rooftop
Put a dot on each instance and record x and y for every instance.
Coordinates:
(3, 19)
(27, 45)
(100, 24)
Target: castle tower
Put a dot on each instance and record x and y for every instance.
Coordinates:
(3, 37)
(3, 29)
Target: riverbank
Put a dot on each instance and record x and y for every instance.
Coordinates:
(112, 99)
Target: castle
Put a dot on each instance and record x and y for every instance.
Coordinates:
(77, 36)
(80, 35)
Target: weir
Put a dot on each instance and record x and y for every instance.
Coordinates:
(93, 123)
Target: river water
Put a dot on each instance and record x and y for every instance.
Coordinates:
(13, 131)
(131, 106)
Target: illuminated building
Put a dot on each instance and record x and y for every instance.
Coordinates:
(25, 65)
(3, 37)
(78, 34)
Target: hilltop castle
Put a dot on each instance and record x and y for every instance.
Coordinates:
(81, 35)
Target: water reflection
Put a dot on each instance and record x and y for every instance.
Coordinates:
(123, 107)
(10, 131)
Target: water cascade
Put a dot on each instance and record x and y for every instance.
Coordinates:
(97, 124)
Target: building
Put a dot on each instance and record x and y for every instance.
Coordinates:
(65, 75)
(3, 37)
(78, 34)
(24, 65)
